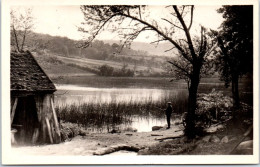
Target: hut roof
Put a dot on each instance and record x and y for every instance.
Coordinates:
(27, 75)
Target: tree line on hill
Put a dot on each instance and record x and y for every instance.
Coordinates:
(98, 50)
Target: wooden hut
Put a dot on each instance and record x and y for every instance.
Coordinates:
(33, 118)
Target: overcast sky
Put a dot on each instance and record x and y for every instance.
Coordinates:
(63, 20)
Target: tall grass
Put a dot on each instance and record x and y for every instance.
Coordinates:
(114, 112)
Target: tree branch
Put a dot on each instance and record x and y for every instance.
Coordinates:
(182, 69)
(221, 45)
(140, 15)
(171, 23)
(157, 41)
(16, 38)
(24, 36)
(21, 25)
(193, 54)
(201, 39)
(133, 36)
(183, 40)
(158, 31)
(169, 49)
(191, 17)
(97, 32)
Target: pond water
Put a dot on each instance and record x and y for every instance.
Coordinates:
(141, 124)
(72, 94)
(68, 94)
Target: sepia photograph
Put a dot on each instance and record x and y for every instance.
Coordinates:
(130, 83)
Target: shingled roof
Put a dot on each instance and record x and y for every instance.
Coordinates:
(27, 75)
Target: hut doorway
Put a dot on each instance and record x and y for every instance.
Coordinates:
(26, 121)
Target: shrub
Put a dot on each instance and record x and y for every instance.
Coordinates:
(106, 70)
(70, 130)
(215, 104)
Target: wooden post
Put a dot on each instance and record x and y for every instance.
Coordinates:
(35, 135)
(55, 139)
(49, 129)
(52, 129)
(57, 129)
(13, 141)
(43, 127)
(13, 110)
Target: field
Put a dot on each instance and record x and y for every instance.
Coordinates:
(96, 63)
(56, 68)
(55, 65)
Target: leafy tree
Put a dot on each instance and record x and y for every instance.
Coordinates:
(21, 25)
(115, 47)
(235, 40)
(173, 27)
(106, 70)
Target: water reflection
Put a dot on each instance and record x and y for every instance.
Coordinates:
(138, 124)
(78, 94)
(145, 124)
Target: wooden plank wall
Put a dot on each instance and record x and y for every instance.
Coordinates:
(45, 129)
(50, 132)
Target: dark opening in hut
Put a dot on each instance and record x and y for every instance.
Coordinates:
(33, 118)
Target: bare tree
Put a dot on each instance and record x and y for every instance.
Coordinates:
(172, 24)
(21, 25)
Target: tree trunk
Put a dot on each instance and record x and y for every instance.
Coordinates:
(16, 39)
(24, 36)
(235, 92)
(192, 103)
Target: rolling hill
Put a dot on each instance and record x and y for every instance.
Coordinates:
(61, 56)
(151, 49)
(56, 65)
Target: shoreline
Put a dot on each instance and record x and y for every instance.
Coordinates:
(93, 143)
(218, 140)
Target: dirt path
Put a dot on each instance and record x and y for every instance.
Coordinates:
(96, 142)
(219, 140)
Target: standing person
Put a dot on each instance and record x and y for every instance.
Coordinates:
(168, 113)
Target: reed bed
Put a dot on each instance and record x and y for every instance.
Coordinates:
(115, 113)
(101, 114)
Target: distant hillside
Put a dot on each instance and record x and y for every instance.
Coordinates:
(61, 56)
(151, 49)
(104, 51)
(139, 53)
(66, 46)
(56, 66)
(98, 50)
